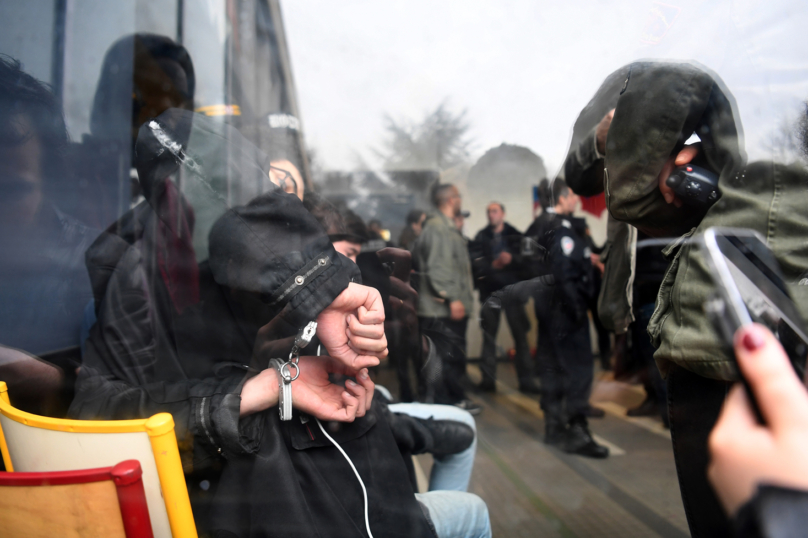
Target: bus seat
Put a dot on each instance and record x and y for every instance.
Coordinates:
(32, 443)
(107, 502)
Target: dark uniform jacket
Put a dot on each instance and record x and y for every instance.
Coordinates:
(150, 352)
(569, 259)
(537, 264)
(541, 225)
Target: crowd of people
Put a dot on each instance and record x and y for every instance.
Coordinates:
(226, 273)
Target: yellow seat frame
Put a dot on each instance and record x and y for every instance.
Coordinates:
(160, 429)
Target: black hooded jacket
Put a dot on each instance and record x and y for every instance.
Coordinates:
(159, 346)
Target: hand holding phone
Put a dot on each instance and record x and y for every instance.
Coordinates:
(744, 455)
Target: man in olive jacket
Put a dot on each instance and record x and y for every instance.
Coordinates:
(441, 256)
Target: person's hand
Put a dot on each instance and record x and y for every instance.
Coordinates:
(33, 383)
(315, 394)
(401, 260)
(595, 259)
(504, 259)
(401, 325)
(745, 454)
(687, 154)
(456, 310)
(602, 130)
(312, 392)
(352, 327)
(400, 287)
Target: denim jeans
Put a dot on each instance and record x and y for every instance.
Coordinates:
(452, 472)
(456, 514)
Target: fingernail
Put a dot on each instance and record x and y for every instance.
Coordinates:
(363, 374)
(349, 318)
(350, 383)
(752, 340)
(668, 197)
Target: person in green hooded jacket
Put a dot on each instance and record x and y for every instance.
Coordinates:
(658, 107)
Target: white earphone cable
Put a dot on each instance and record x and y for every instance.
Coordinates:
(364, 491)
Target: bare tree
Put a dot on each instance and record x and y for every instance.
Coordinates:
(439, 141)
(787, 141)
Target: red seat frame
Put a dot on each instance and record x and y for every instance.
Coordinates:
(128, 484)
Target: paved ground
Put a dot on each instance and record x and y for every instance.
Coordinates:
(533, 490)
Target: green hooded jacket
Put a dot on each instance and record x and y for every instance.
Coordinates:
(660, 105)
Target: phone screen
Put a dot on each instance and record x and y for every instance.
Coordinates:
(759, 281)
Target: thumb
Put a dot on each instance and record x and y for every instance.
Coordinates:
(687, 154)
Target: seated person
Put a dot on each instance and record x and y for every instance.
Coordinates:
(202, 353)
(445, 431)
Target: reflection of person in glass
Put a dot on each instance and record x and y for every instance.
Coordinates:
(142, 75)
(43, 284)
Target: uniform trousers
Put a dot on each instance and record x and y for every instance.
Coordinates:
(519, 323)
(567, 367)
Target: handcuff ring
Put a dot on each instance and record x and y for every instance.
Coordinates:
(287, 377)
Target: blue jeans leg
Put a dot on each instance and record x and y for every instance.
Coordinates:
(453, 472)
(456, 514)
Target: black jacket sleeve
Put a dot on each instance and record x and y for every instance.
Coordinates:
(133, 368)
(583, 167)
(480, 253)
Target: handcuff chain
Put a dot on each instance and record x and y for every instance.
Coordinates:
(303, 339)
(285, 377)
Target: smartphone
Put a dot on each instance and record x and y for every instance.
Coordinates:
(750, 288)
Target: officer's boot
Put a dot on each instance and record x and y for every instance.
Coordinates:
(555, 432)
(555, 427)
(579, 440)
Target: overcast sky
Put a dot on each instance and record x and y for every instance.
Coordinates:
(524, 69)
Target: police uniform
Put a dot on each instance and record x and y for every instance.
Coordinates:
(567, 361)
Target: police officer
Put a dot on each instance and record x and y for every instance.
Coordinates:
(567, 361)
